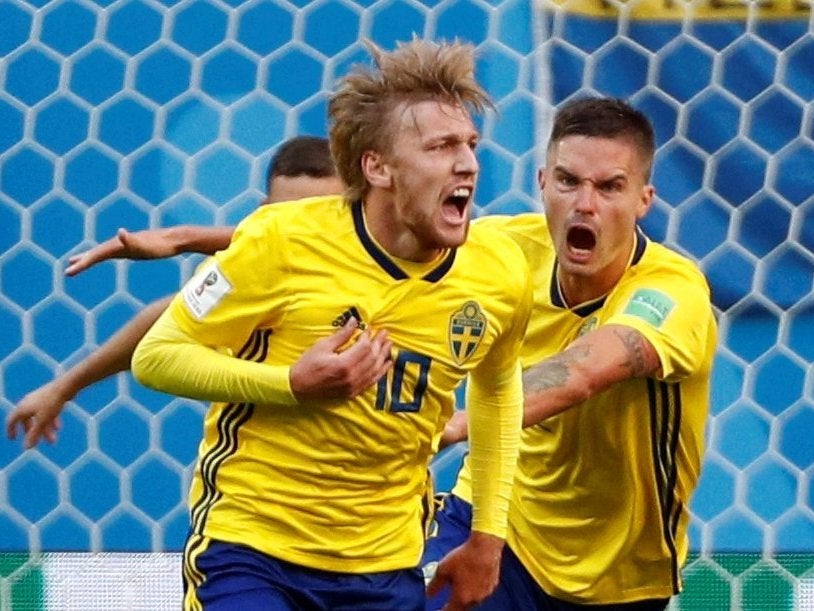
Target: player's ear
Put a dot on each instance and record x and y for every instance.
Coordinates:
(541, 178)
(376, 170)
(646, 201)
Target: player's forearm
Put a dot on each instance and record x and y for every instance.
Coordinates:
(553, 386)
(170, 361)
(592, 364)
(495, 413)
(113, 356)
(201, 239)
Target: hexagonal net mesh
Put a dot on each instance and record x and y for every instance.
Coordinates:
(138, 114)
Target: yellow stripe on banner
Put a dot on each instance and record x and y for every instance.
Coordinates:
(678, 10)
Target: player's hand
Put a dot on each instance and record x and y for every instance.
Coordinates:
(327, 370)
(146, 244)
(471, 570)
(455, 430)
(38, 415)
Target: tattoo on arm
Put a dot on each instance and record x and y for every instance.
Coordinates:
(553, 371)
(640, 359)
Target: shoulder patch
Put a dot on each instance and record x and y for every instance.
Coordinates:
(650, 305)
(206, 290)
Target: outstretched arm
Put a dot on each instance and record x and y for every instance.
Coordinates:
(38, 412)
(591, 364)
(472, 569)
(495, 402)
(153, 244)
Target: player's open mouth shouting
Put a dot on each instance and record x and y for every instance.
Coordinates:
(581, 241)
(455, 207)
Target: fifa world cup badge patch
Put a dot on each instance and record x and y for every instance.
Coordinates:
(650, 305)
(206, 290)
(467, 327)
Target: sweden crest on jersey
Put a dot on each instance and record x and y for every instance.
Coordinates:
(467, 327)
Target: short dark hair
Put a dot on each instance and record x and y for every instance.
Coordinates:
(302, 156)
(601, 117)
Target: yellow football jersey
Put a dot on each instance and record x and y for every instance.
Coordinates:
(338, 485)
(599, 508)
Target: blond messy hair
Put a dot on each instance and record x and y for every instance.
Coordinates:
(361, 111)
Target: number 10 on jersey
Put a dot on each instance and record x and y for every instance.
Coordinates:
(402, 389)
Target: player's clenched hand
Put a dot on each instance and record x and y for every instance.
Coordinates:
(471, 570)
(327, 371)
(38, 415)
(147, 244)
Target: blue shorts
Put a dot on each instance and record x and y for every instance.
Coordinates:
(228, 577)
(449, 529)
(517, 589)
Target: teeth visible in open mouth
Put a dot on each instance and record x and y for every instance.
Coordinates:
(462, 192)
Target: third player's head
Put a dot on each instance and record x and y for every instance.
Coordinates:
(302, 167)
(596, 187)
(403, 140)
